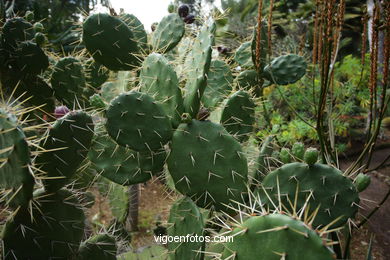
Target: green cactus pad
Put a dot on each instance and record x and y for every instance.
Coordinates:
(197, 66)
(185, 219)
(286, 69)
(40, 39)
(54, 233)
(122, 165)
(154, 252)
(275, 237)
(137, 29)
(333, 193)
(98, 247)
(208, 165)
(68, 81)
(95, 74)
(136, 121)
(65, 147)
(30, 58)
(362, 181)
(109, 91)
(243, 55)
(238, 115)
(247, 79)
(159, 80)
(219, 84)
(298, 150)
(262, 60)
(119, 201)
(311, 156)
(285, 155)
(16, 181)
(265, 152)
(168, 33)
(38, 27)
(15, 31)
(110, 42)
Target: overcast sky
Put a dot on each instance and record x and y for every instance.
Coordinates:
(148, 11)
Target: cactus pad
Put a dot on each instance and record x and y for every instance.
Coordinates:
(285, 69)
(168, 33)
(110, 42)
(136, 121)
(16, 181)
(238, 115)
(197, 65)
(330, 191)
(68, 80)
(275, 237)
(159, 80)
(219, 84)
(101, 246)
(138, 30)
(185, 219)
(122, 165)
(66, 146)
(208, 165)
(243, 55)
(55, 232)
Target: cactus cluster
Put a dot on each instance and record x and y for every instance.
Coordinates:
(191, 123)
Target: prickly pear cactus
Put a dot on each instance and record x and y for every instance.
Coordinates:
(110, 42)
(65, 147)
(275, 237)
(362, 181)
(243, 55)
(197, 66)
(136, 121)
(185, 219)
(68, 81)
(55, 232)
(30, 58)
(311, 156)
(137, 29)
(248, 79)
(219, 84)
(16, 181)
(208, 165)
(285, 155)
(238, 116)
(159, 80)
(266, 150)
(101, 246)
(15, 31)
(168, 33)
(122, 165)
(95, 74)
(286, 69)
(298, 150)
(320, 186)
